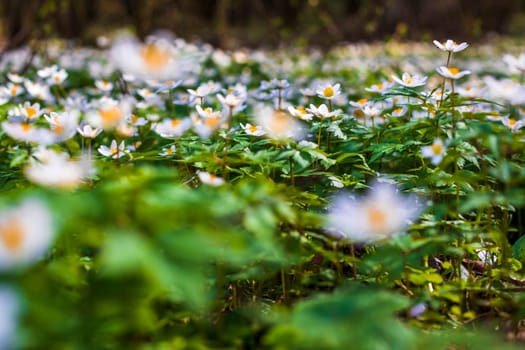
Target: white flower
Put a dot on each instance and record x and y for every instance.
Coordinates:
(399, 111)
(450, 46)
(408, 80)
(435, 152)
(113, 150)
(382, 213)
(231, 102)
(505, 89)
(253, 130)
(11, 89)
(361, 103)
(171, 128)
(515, 63)
(380, 87)
(28, 111)
(158, 59)
(512, 124)
(88, 131)
(57, 76)
(278, 124)
(63, 125)
(10, 306)
(15, 78)
(26, 231)
(166, 152)
(103, 85)
(27, 132)
(37, 90)
(53, 169)
(451, 72)
(328, 91)
(322, 111)
(207, 112)
(300, 112)
(109, 113)
(210, 179)
(46, 71)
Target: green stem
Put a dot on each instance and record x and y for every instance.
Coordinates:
(283, 286)
(292, 175)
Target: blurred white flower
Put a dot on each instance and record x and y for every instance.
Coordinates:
(505, 89)
(88, 131)
(451, 72)
(382, 213)
(380, 88)
(168, 151)
(54, 169)
(361, 103)
(158, 59)
(210, 179)
(512, 124)
(104, 85)
(57, 76)
(109, 113)
(170, 128)
(515, 63)
(408, 80)
(278, 124)
(63, 125)
(450, 46)
(322, 111)
(436, 151)
(27, 132)
(26, 232)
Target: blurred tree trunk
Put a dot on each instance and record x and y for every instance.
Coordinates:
(19, 20)
(221, 21)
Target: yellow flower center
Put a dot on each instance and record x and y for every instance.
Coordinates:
(453, 70)
(252, 129)
(380, 86)
(212, 122)
(408, 80)
(113, 150)
(12, 235)
(280, 123)
(376, 218)
(398, 110)
(362, 101)
(26, 127)
(30, 112)
(110, 116)
(57, 128)
(301, 110)
(512, 122)
(14, 90)
(155, 57)
(328, 91)
(437, 148)
(175, 123)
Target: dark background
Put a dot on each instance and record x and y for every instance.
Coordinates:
(257, 23)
